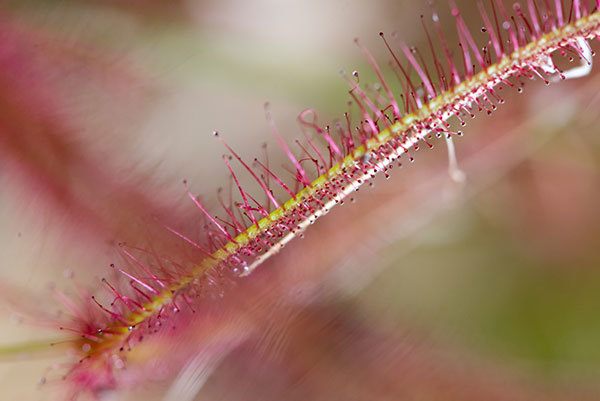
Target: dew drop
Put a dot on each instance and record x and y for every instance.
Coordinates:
(506, 25)
(86, 348)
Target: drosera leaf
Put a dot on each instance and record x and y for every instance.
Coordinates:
(355, 151)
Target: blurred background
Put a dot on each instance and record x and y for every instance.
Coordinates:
(421, 289)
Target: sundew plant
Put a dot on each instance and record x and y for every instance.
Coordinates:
(431, 235)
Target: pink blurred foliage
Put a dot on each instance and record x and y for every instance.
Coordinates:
(269, 340)
(59, 152)
(548, 194)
